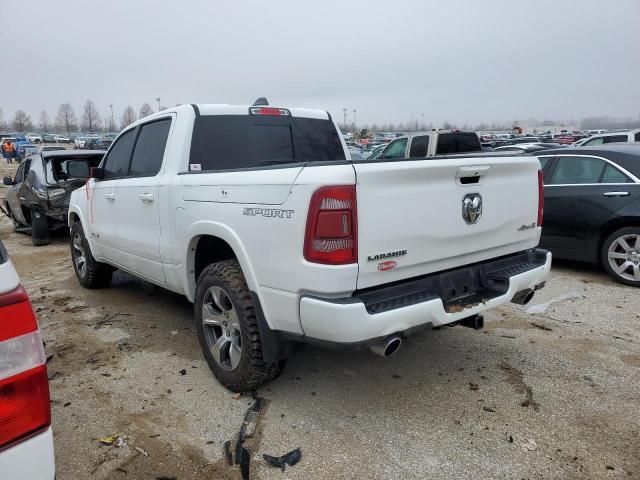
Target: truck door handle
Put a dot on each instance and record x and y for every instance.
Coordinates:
(616, 194)
(146, 197)
(110, 196)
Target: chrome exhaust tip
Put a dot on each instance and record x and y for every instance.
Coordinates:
(523, 296)
(388, 346)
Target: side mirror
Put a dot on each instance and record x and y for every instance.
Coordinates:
(97, 173)
(7, 181)
(77, 169)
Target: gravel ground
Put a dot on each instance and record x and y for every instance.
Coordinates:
(536, 396)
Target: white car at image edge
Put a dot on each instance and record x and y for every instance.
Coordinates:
(26, 441)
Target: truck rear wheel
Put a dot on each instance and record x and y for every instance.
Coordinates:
(39, 228)
(228, 328)
(90, 273)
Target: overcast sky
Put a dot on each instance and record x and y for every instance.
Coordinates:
(475, 61)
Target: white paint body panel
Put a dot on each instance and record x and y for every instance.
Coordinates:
(32, 459)
(417, 206)
(349, 323)
(401, 205)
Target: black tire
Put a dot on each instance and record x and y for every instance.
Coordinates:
(250, 370)
(90, 273)
(39, 228)
(615, 255)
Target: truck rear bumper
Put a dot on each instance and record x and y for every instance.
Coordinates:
(437, 299)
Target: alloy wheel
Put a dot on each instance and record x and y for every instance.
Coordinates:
(221, 328)
(79, 256)
(624, 257)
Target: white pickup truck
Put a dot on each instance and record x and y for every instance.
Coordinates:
(258, 216)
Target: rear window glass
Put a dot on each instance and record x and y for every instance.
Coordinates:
(225, 142)
(458, 142)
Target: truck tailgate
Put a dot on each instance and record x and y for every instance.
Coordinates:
(411, 220)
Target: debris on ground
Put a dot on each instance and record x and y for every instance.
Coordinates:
(530, 445)
(227, 452)
(290, 459)
(117, 440)
(245, 462)
(182, 372)
(236, 396)
(487, 408)
(516, 378)
(142, 451)
(541, 327)
(543, 307)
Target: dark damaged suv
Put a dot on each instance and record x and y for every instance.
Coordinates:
(38, 197)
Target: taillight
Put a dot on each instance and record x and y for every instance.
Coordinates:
(540, 197)
(331, 235)
(24, 389)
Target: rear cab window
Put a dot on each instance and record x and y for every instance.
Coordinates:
(458, 142)
(616, 139)
(230, 142)
(419, 146)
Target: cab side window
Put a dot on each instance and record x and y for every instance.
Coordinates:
(149, 151)
(419, 147)
(116, 163)
(396, 149)
(595, 141)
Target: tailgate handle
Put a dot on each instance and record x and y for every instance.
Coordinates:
(471, 175)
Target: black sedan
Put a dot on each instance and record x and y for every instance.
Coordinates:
(592, 207)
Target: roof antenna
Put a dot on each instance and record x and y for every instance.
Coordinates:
(260, 101)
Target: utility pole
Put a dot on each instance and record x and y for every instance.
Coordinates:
(344, 110)
(111, 126)
(158, 100)
(422, 121)
(354, 119)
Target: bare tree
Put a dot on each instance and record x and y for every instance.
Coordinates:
(128, 116)
(66, 118)
(22, 122)
(44, 120)
(3, 124)
(91, 120)
(145, 110)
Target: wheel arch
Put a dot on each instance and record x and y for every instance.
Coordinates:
(211, 242)
(613, 225)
